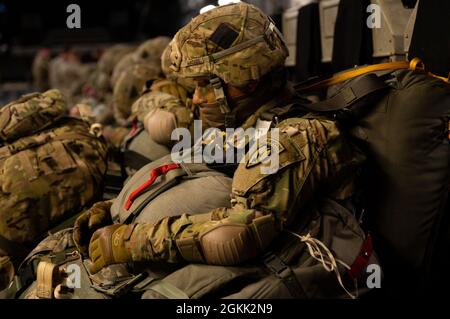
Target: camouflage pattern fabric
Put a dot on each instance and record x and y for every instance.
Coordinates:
(174, 88)
(30, 113)
(69, 77)
(151, 50)
(51, 166)
(332, 224)
(129, 87)
(163, 109)
(262, 48)
(148, 53)
(188, 83)
(112, 56)
(312, 154)
(124, 63)
(98, 84)
(47, 177)
(160, 100)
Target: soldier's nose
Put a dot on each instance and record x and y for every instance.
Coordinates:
(199, 96)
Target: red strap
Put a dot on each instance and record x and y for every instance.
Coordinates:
(154, 173)
(90, 91)
(361, 262)
(134, 128)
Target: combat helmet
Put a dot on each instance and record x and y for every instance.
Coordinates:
(233, 44)
(111, 56)
(129, 87)
(151, 50)
(124, 63)
(187, 83)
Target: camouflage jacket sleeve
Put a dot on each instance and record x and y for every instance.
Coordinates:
(310, 155)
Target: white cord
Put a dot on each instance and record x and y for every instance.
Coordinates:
(323, 255)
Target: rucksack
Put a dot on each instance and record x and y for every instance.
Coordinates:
(50, 165)
(400, 117)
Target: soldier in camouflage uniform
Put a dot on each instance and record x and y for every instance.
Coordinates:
(97, 91)
(236, 56)
(165, 96)
(129, 87)
(40, 69)
(106, 65)
(68, 74)
(167, 105)
(129, 76)
(124, 63)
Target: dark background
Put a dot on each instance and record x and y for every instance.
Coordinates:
(26, 26)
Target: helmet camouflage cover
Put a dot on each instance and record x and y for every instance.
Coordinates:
(186, 83)
(112, 56)
(151, 50)
(238, 43)
(124, 63)
(129, 87)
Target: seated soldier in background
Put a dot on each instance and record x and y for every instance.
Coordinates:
(67, 74)
(164, 106)
(39, 69)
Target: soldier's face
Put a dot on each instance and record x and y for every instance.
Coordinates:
(204, 92)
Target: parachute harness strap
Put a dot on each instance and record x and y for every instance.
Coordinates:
(230, 117)
(417, 64)
(154, 174)
(323, 255)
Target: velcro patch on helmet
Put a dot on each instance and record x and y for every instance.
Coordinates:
(224, 36)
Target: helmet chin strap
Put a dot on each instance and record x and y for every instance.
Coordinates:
(230, 117)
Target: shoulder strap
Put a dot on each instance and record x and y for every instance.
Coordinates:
(315, 85)
(170, 179)
(354, 92)
(134, 160)
(283, 272)
(137, 127)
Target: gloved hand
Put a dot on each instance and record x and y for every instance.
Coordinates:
(94, 218)
(107, 247)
